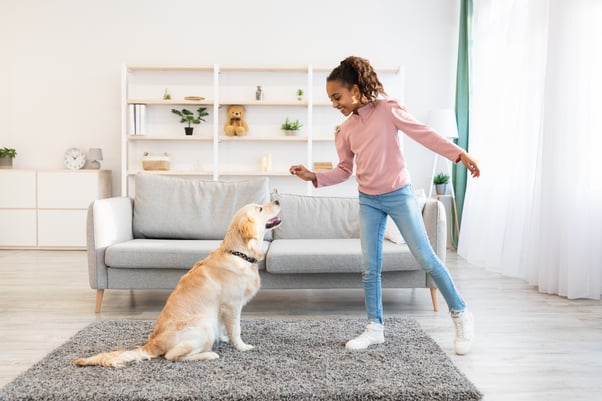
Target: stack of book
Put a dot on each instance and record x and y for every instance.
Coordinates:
(137, 116)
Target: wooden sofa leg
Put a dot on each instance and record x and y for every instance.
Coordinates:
(434, 299)
(99, 295)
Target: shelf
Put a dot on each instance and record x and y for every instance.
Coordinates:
(224, 138)
(263, 68)
(171, 102)
(256, 173)
(293, 103)
(168, 67)
(385, 69)
(171, 172)
(208, 173)
(182, 138)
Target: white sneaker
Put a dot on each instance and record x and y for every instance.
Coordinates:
(464, 324)
(374, 334)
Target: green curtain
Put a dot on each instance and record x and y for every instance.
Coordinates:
(462, 110)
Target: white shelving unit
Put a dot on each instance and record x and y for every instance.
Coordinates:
(209, 153)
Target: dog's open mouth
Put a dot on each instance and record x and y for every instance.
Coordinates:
(273, 222)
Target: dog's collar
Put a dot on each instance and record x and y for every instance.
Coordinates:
(245, 257)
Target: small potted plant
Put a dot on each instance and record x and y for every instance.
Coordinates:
(440, 181)
(6, 157)
(299, 94)
(188, 117)
(291, 127)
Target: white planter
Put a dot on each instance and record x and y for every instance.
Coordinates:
(441, 189)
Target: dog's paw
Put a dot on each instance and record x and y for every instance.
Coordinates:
(210, 356)
(201, 356)
(244, 347)
(224, 338)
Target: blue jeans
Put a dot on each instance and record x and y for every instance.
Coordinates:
(403, 208)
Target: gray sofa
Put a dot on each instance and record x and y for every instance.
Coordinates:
(150, 241)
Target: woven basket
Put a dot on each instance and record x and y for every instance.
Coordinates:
(155, 162)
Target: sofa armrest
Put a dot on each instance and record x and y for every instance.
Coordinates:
(109, 221)
(435, 221)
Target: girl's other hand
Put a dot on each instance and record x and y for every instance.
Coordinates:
(471, 164)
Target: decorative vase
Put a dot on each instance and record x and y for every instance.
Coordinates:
(441, 189)
(188, 130)
(290, 132)
(6, 162)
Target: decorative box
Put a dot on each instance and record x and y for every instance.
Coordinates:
(152, 161)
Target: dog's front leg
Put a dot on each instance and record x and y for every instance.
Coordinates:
(222, 335)
(231, 321)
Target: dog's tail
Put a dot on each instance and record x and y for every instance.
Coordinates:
(118, 359)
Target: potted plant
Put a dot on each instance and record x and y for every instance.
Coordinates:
(299, 94)
(6, 157)
(291, 127)
(187, 116)
(440, 181)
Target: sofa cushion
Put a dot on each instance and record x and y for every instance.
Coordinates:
(187, 208)
(332, 256)
(161, 253)
(158, 254)
(317, 217)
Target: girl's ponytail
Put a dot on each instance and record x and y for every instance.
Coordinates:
(358, 71)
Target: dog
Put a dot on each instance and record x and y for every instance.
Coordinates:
(207, 302)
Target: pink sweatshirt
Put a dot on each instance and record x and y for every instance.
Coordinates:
(371, 137)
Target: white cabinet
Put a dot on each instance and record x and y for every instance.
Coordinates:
(209, 153)
(47, 208)
(18, 208)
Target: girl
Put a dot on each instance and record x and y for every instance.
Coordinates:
(369, 138)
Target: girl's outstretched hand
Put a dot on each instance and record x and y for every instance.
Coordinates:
(471, 164)
(302, 172)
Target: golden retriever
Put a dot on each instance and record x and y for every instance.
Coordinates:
(209, 298)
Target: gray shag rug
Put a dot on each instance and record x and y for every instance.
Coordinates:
(292, 360)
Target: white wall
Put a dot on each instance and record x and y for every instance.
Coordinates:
(60, 64)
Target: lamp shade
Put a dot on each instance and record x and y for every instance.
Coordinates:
(444, 122)
(95, 154)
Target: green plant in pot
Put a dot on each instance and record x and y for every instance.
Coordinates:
(291, 127)
(441, 180)
(188, 117)
(6, 157)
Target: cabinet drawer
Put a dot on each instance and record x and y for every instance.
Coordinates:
(18, 189)
(68, 190)
(62, 228)
(18, 227)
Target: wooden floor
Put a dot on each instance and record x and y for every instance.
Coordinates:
(529, 346)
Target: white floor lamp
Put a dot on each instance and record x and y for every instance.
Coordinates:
(444, 122)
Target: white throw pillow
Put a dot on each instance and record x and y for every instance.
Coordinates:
(391, 231)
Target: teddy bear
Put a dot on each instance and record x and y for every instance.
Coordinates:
(236, 124)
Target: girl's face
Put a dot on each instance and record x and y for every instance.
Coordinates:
(345, 100)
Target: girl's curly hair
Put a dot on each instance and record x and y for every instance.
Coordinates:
(358, 71)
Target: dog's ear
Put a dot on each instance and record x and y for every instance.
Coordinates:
(246, 228)
(248, 232)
